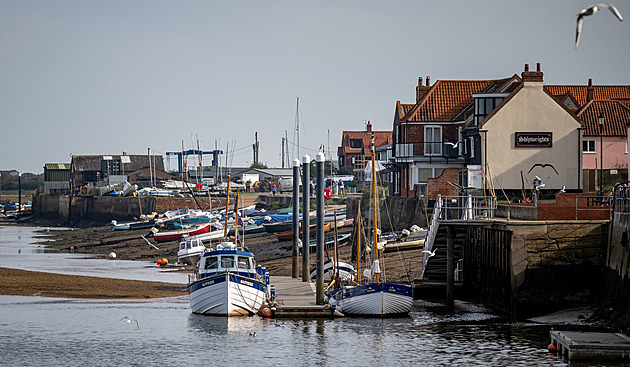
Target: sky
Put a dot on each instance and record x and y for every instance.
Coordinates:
(106, 77)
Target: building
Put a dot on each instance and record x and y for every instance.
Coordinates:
(503, 133)
(56, 178)
(86, 169)
(355, 147)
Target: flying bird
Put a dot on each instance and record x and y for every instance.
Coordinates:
(590, 11)
(129, 320)
(431, 254)
(452, 144)
(543, 165)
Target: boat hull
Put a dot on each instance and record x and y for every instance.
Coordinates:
(374, 299)
(226, 294)
(175, 235)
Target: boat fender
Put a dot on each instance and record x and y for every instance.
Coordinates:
(112, 255)
(164, 262)
(159, 262)
(552, 348)
(265, 311)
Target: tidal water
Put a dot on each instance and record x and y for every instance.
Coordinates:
(40, 331)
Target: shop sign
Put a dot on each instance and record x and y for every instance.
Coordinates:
(533, 140)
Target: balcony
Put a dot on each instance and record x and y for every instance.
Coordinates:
(441, 151)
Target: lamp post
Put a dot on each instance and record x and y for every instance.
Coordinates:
(600, 119)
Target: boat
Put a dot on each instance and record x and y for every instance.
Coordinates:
(288, 235)
(283, 226)
(227, 283)
(329, 241)
(162, 236)
(190, 250)
(373, 296)
(346, 271)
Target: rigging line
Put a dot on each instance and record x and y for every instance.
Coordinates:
(303, 147)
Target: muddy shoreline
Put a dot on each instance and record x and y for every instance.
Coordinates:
(100, 240)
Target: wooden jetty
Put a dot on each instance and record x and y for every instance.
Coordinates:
(577, 345)
(296, 299)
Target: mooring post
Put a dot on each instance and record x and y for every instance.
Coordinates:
(450, 268)
(306, 200)
(296, 215)
(319, 259)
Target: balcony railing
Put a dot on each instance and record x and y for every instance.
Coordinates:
(429, 149)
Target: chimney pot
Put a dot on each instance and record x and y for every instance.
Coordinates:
(526, 67)
(369, 127)
(590, 90)
(537, 66)
(428, 81)
(590, 82)
(420, 80)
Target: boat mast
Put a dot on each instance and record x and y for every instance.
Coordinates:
(374, 206)
(227, 206)
(183, 173)
(359, 243)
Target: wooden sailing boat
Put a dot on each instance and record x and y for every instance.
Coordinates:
(373, 296)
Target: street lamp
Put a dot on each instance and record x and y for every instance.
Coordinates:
(600, 119)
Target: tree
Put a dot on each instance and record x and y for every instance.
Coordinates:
(345, 171)
(258, 165)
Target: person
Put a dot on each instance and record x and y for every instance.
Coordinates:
(273, 190)
(312, 188)
(341, 187)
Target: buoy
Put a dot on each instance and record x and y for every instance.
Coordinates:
(159, 261)
(164, 261)
(112, 255)
(552, 348)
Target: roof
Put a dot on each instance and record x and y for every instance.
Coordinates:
(600, 92)
(380, 138)
(58, 166)
(445, 100)
(616, 117)
(93, 162)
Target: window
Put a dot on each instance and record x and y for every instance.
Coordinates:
(356, 143)
(589, 146)
(243, 262)
(472, 147)
(212, 263)
(432, 140)
(227, 262)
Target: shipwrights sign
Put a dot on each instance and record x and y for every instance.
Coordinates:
(533, 140)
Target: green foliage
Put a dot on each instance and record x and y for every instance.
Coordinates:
(345, 171)
(258, 165)
(30, 181)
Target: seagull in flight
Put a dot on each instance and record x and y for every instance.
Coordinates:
(452, 144)
(543, 165)
(129, 320)
(590, 11)
(431, 254)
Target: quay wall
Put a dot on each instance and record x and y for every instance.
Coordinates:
(104, 209)
(556, 264)
(529, 268)
(616, 301)
(396, 212)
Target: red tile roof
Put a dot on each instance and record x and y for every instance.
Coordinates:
(616, 118)
(380, 138)
(445, 100)
(600, 92)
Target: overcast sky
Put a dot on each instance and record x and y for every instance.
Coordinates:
(103, 77)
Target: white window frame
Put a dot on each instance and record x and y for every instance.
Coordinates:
(472, 147)
(432, 146)
(594, 146)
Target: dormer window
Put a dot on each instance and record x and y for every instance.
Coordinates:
(356, 143)
(486, 103)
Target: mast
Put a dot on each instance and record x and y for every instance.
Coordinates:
(183, 173)
(150, 170)
(359, 243)
(375, 207)
(227, 206)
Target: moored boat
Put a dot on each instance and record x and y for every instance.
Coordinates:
(162, 236)
(190, 250)
(227, 283)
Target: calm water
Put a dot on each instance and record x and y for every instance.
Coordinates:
(67, 332)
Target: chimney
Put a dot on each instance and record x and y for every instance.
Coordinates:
(428, 81)
(421, 90)
(532, 76)
(419, 93)
(369, 127)
(589, 90)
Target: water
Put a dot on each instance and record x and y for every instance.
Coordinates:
(69, 332)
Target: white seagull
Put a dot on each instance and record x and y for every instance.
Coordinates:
(130, 319)
(454, 145)
(431, 254)
(590, 11)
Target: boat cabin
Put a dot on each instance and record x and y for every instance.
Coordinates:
(189, 244)
(227, 258)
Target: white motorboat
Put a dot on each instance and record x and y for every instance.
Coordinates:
(190, 250)
(227, 283)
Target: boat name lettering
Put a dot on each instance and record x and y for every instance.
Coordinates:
(204, 284)
(247, 283)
